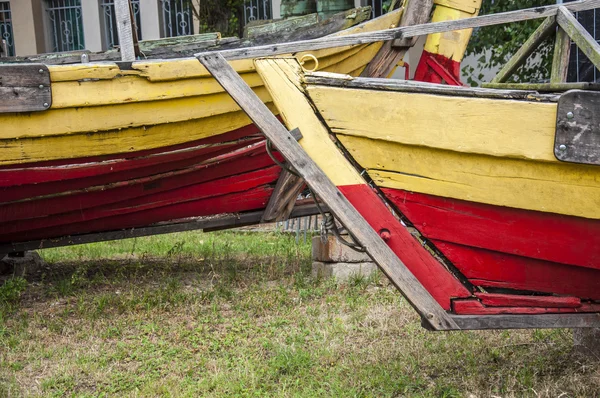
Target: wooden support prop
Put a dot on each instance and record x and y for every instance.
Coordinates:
(392, 51)
(123, 21)
(560, 58)
(544, 30)
(474, 322)
(207, 224)
(579, 35)
(377, 249)
(405, 32)
(284, 195)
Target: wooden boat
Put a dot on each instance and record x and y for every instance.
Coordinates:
(482, 205)
(122, 145)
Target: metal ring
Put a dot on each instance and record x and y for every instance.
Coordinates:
(311, 57)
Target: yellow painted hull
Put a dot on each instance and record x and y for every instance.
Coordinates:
(492, 151)
(99, 109)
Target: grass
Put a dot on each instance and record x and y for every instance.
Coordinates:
(233, 314)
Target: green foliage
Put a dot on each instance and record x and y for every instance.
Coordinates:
(11, 290)
(500, 42)
(222, 16)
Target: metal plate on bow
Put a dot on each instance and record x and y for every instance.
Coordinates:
(577, 138)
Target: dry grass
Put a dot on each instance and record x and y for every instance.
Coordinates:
(239, 315)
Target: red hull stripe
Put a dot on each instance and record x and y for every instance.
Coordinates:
(56, 180)
(251, 159)
(544, 236)
(237, 183)
(440, 283)
(491, 269)
(474, 307)
(514, 300)
(232, 135)
(253, 199)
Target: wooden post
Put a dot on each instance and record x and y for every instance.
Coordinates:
(560, 58)
(392, 51)
(377, 249)
(579, 35)
(123, 20)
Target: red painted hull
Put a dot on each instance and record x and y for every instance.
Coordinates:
(516, 252)
(222, 174)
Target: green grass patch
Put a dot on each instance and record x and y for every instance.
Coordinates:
(238, 314)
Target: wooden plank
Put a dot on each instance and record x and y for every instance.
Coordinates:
(124, 29)
(547, 27)
(493, 269)
(474, 307)
(579, 35)
(560, 57)
(415, 12)
(411, 86)
(269, 27)
(502, 128)
(543, 236)
(479, 322)
(516, 300)
(578, 128)
(405, 32)
(544, 87)
(423, 302)
(284, 196)
(554, 187)
(24, 88)
(226, 221)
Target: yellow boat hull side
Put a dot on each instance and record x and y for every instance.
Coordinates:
(554, 187)
(502, 128)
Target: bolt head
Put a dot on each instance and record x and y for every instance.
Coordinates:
(570, 115)
(562, 147)
(41, 71)
(41, 86)
(46, 104)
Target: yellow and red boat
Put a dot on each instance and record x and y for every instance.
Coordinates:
(124, 145)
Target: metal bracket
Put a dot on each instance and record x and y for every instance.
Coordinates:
(25, 88)
(577, 138)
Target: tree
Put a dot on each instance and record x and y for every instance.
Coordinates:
(218, 16)
(496, 44)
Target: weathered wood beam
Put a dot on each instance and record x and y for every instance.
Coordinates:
(283, 198)
(377, 249)
(579, 35)
(544, 87)
(560, 58)
(410, 86)
(537, 37)
(405, 32)
(207, 224)
(124, 29)
(416, 12)
(480, 322)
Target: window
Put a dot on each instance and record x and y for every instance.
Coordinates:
(6, 32)
(177, 18)
(256, 9)
(66, 25)
(581, 69)
(111, 35)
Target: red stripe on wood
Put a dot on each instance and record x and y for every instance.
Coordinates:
(253, 199)
(474, 307)
(244, 161)
(237, 183)
(492, 269)
(72, 178)
(544, 236)
(232, 135)
(440, 283)
(436, 68)
(515, 300)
